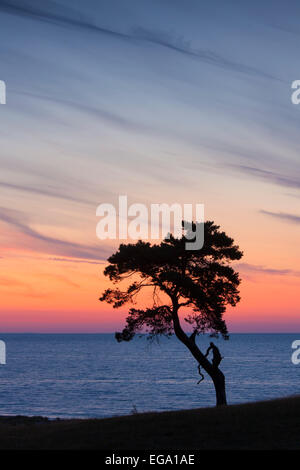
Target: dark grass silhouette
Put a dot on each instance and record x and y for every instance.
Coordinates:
(199, 282)
(265, 425)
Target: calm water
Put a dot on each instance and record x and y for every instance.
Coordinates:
(92, 375)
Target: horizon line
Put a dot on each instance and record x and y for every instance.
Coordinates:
(139, 334)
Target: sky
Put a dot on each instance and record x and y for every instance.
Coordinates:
(164, 101)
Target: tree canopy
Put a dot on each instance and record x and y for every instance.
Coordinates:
(201, 282)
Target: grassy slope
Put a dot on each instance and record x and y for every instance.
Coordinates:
(265, 425)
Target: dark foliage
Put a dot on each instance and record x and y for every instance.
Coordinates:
(202, 282)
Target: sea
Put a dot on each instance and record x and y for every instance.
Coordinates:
(92, 375)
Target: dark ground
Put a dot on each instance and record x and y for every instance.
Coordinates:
(264, 425)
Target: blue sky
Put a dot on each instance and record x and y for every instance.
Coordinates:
(104, 96)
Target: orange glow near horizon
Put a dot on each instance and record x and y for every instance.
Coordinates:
(45, 287)
(43, 293)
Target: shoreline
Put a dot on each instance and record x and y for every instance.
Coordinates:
(272, 424)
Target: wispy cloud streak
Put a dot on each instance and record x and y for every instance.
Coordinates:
(270, 176)
(257, 269)
(294, 219)
(179, 44)
(43, 192)
(51, 245)
(52, 12)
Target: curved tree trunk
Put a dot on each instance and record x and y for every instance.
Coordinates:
(219, 383)
(215, 373)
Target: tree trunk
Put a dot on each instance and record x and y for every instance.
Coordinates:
(215, 373)
(219, 383)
